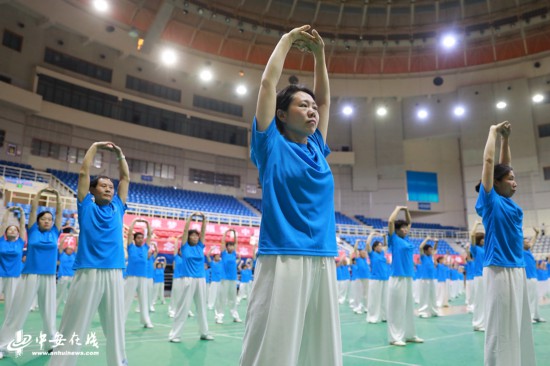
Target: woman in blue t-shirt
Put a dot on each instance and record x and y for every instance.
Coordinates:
(38, 275)
(509, 333)
(11, 254)
(216, 275)
(428, 301)
(295, 268)
(400, 296)
(158, 279)
(531, 276)
(362, 275)
(192, 284)
(65, 271)
(378, 283)
(227, 297)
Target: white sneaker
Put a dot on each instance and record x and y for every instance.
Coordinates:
(398, 343)
(148, 326)
(152, 309)
(479, 329)
(175, 340)
(171, 314)
(206, 337)
(190, 314)
(237, 320)
(415, 339)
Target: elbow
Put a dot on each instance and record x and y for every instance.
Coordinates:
(488, 160)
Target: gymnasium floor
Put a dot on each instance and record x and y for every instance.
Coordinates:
(449, 341)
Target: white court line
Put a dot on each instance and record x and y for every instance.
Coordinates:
(385, 361)
(388, 346)
(225, 335)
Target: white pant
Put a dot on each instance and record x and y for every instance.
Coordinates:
(227, 297)
(533, 298)
(378, 301)
(150, 291)
(139, 284)
(542, 289)
(468, 289)
(94, 290)
(442, 294)
(244, 290)
(7, 287)
(343, 287)
(509, 332)
(427, 299)
(416, 291)
(400, 309)
(175, 295)
(361, 293)
(213, 290)
(158, 292)
(193, 290)
(478, 316)
(292, 316)
(63, 284)
(29, 287)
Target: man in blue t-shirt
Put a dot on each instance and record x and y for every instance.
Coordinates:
(98, 284)
(400, 298)
(230, 259)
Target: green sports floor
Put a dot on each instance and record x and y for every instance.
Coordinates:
(449, 340)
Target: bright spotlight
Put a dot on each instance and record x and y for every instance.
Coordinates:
(459, 111)
(537, 98)
(448, 41)
(381, 111)
(206, 75)
(422, 114)
(169, 57)
(101, 5)
(241, 89)
(347, 110)
(501, 105)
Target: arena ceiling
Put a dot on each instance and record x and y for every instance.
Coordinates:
(362, 36)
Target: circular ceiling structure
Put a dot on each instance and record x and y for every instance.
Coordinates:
(361, 37)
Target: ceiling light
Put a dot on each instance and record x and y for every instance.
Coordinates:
(241, 89)
(422, 114)
(101, 5)
(381, 111)
(537, 98)
(448, 41)
(459, 111)
(206, 75)
(169, 57)
(501, 105)
(347, 110)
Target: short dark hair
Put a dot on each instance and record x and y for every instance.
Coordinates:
(478, 237)
(426, 247)
(284, 98)
(398, 224)
(137, 234)
(192, 231)
(42, 214)
(500, 171)
(95, 181)
(375, 244)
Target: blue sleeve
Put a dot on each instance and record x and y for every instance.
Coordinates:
(484, 200)
(317, 139)
(260, 142)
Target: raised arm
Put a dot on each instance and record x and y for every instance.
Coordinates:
(321, 87)
(149, 232)
(186, 229)
(489, 155)
(34, 206)
(436, 243)
(505, 153)
(393, 217)
(474, 231)
(356, 245)
(236, 244)
(203, 226)
(58, 208)
(84, 173)
(368, 244)
(267, 96)
(124, 174)
(534, 238)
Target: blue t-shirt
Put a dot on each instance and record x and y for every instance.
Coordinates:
(137, 260)
(346, 276)
(193, 260)
(178, 266)
(363, 269)
(246, 275)
(208, 275)
(150, 267)
(297, 194)
(478, 253)
(100, 242)
(442, 272)
(428, 268)
(229, 262)
(503, 221)
(380, 269)
(402, 256)
(41, 251)
(469, 267)
(66, 263)
(217, 271)
(530, 264)
(158, 276)
(11, 253)
(542, 275)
